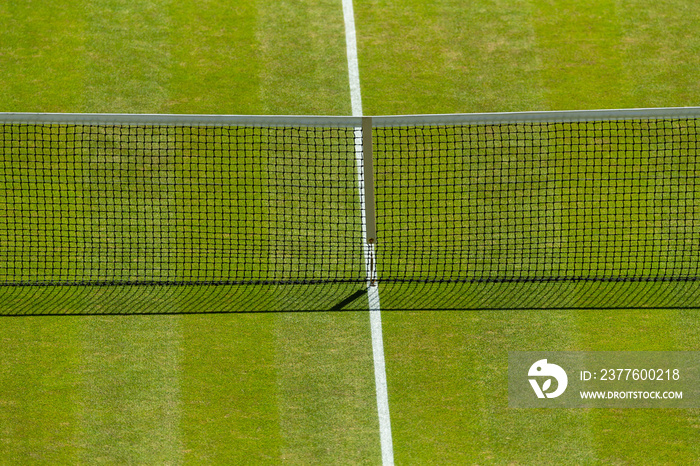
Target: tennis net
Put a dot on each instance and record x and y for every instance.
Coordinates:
(518, 197)
(159, 200)
(552, 196)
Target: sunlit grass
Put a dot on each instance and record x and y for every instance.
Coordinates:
(266, 388)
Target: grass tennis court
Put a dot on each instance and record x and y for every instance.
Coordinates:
(298, 387)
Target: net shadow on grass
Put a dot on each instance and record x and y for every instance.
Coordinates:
(540, 295)
(191, 299)
(343, 297)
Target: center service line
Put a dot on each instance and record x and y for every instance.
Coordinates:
(372, 291)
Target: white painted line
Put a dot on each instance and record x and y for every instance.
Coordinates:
(372, 291)
(375, 317)
(353, 68)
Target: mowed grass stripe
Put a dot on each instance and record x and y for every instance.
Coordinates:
(215, 58)
(95, 390)
(40, 56)
(303, 61)
(325, 388)
(130, 397)
(447, 370)
(687, 338)
(580, 50)
(39, 375)
(434, 384)
(127, 59)
(447, 56)
(230, 385)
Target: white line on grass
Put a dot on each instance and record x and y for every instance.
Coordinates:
(372, 291)
(353, 68)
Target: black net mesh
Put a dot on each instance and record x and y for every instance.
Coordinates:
(130, 204)
(599, 201)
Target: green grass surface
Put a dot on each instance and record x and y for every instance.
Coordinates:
(265, 388)
(485, 56)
